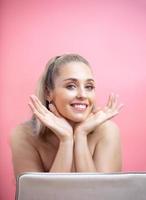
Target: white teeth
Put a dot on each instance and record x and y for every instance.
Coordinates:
(81, 106)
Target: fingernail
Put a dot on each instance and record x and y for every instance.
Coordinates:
(32, 96)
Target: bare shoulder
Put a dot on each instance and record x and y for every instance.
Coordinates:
(24, 149)
(22, 132)
(109, 125)
(108, 129)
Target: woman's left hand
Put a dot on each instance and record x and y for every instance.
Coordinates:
(98, 117)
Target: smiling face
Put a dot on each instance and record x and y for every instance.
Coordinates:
(74, 92)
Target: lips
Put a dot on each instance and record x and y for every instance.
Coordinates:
(79, 106)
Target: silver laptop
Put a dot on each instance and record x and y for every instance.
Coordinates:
(81, 186)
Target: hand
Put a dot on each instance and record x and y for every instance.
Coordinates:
(51, 119)
(99, 116)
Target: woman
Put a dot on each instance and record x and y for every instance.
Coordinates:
(67, 133)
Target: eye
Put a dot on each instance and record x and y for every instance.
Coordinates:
(71, 86)
(90, 87)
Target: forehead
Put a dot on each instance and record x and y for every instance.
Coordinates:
(77, 70)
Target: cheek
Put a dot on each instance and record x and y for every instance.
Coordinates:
(64, 96)
(92, 98)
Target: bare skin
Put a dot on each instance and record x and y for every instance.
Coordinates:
(79, 138)
(102, 147)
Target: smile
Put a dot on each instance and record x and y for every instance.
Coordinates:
(79, 106)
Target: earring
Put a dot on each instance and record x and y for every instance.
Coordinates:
(49, 103)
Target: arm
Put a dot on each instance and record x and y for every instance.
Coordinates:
(83, 157)
(107, 156)
(64, 157)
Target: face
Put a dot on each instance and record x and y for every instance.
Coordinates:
(74, 92)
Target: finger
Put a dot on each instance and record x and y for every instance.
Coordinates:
(114, 112)
(109, 103)
(120, 107)
(115, 106)
(39, 116)
(43, 109)
(35, 112)
(54, 110)
(38, 105)
(31, 106)
(114, 102)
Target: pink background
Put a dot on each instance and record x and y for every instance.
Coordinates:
(110, 34)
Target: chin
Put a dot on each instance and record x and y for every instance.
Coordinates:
(77, 119)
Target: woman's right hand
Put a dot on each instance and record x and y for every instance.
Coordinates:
(51, 119)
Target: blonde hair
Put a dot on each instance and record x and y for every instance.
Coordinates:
(46, 83)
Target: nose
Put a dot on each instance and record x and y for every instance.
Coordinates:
(81, 93)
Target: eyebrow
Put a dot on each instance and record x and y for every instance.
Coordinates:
(76, 80)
